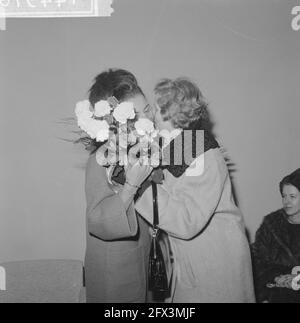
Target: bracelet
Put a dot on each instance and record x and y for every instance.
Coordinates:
(135, 186)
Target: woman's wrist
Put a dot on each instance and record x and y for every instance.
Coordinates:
(130, 190)
(127, 194)
(132, 185)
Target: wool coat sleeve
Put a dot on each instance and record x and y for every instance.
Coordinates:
(107, 217)
(187, 205)
(265, 268)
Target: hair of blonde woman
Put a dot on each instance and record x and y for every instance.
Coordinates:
(181, 102)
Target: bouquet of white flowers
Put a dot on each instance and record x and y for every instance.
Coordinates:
(114, 127)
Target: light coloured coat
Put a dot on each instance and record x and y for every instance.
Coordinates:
(206, 232)
(118, 243)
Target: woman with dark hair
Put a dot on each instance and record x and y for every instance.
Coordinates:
(212, 261)
(276, 251)
(118, 240)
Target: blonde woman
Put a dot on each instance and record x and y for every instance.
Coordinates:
(197, 209)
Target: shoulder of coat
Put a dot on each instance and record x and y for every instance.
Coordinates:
(275, 218)
(93, 165)
(216, 156)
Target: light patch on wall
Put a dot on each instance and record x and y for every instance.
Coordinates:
(54, 9)
(2, 279)
(2, 19)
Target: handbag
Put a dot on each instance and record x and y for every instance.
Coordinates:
(158, 278)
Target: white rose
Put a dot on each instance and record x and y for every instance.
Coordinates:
(102, 108)
(84, 122)
(103, 132)
(124, 111)
(154, 134)
(144, 126)
(83, 114)
(97, 129)
(102, 135)
(83, 109)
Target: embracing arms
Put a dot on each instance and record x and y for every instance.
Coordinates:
(186, 207)
(111, 215)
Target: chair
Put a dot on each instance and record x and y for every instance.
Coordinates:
(43, 281)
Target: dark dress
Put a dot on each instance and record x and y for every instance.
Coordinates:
(276, 252)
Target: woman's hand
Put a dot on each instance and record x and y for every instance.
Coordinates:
(137, 174)
(285, 281)
(138, 169)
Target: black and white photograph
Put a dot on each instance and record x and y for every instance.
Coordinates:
(150, 154)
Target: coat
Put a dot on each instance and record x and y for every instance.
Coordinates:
(273, 256)
(211, 253)
(118, 243)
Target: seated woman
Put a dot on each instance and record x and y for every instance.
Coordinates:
(276, 250)
(212, 260)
